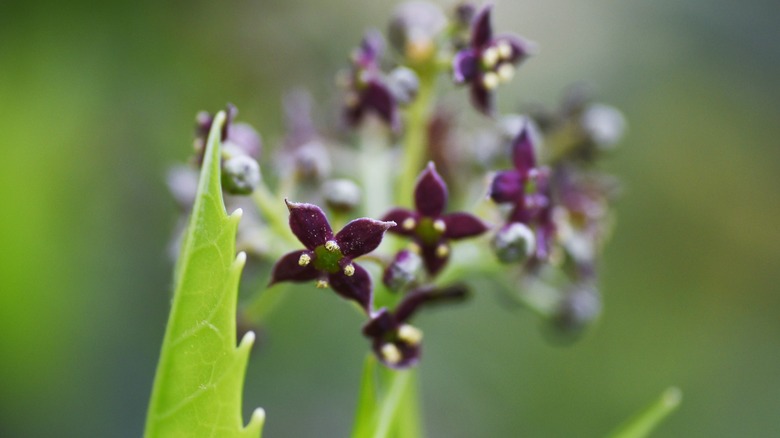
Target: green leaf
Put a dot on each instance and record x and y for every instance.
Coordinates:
(198, 387)
(646, 420)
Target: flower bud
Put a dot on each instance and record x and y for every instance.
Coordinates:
(312, 161)
(514, 242)
(581, 306)
(403, 270)
(240, 175)
(414, 28)
(183, 185)
(341, 194)
(604, 125)
(403, 84)
(244, 137)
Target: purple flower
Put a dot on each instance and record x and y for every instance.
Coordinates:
(488, 61)
(328, 258)
(241, 137)
(395, 342)
(527, 188)
(367, 90)
(428, 226)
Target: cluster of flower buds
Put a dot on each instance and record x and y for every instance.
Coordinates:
(550, 209)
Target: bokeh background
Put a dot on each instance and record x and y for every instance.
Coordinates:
(97, 99)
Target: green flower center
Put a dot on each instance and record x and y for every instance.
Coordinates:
(327, 259)
(427, 232)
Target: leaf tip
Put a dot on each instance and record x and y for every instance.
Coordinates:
(240, 260)
(248, 340)
(258, 416)
(237, 214)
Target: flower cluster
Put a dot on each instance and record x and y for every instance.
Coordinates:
(541, 217)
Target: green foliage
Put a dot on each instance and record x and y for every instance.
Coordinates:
(646, 420)
(198, 386)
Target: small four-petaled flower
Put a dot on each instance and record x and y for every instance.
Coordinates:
(430, 228)
(328, 259)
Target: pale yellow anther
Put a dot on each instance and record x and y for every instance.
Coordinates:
(304, 259)
(331, 246)
(349, 270)
(439, 225)
(410, 334)
(490, 57)
(322, 284)
(506, 72)
(391, 354)
(490, 80)
(408, 224)
(504, 50)
(414, 247)
(442, 251)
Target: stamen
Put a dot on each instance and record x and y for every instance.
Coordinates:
(490, 57)
(322, 284)
(349, 270)
(331, 246)
(504, 50)
(506, 72)
(410, 334)
(439, 225)
(414, 247)
(391, 354)
(408, 224)
(304, 260)
(442, 251)
(490, 80)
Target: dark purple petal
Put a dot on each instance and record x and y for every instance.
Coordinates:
(481, 97)
(289, 269)
(432, 260)
(507, 186)
(465, 66)
(356, 287)
(380, 324)
(521, 49)
(309, 224)
(430, 193)
(462, 225)
(482, 31)
(426, 297)
(523, 154)
(377, 97)
(361, 236)
(399, 216)
(521, 213)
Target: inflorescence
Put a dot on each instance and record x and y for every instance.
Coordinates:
(539, 210)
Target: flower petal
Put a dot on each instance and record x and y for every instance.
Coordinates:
(507, 186)
(361, 236)
(430, 193)
(378, 97)
(427, 296)
(356, 287)
(462, 225)
(309, 224)
(481, 98)
(523, 153)
(399, 216)
(482, 31)
(521, 49)
(465, 66)
(289, 269)
(432, 260)
(409, 354)
(381, 323)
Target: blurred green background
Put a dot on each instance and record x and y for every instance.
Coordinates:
(97, 99)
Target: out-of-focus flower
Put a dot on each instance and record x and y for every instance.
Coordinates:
(341, 195)
(414, 28)
(403, 270)
(488, 61)
(394, 341)
(328, 259)
(240, 137)
(430, 228)
(367, 90)
(304, 153)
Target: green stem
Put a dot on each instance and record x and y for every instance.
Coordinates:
(399, 382)
(415, 137)
(271, 208)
